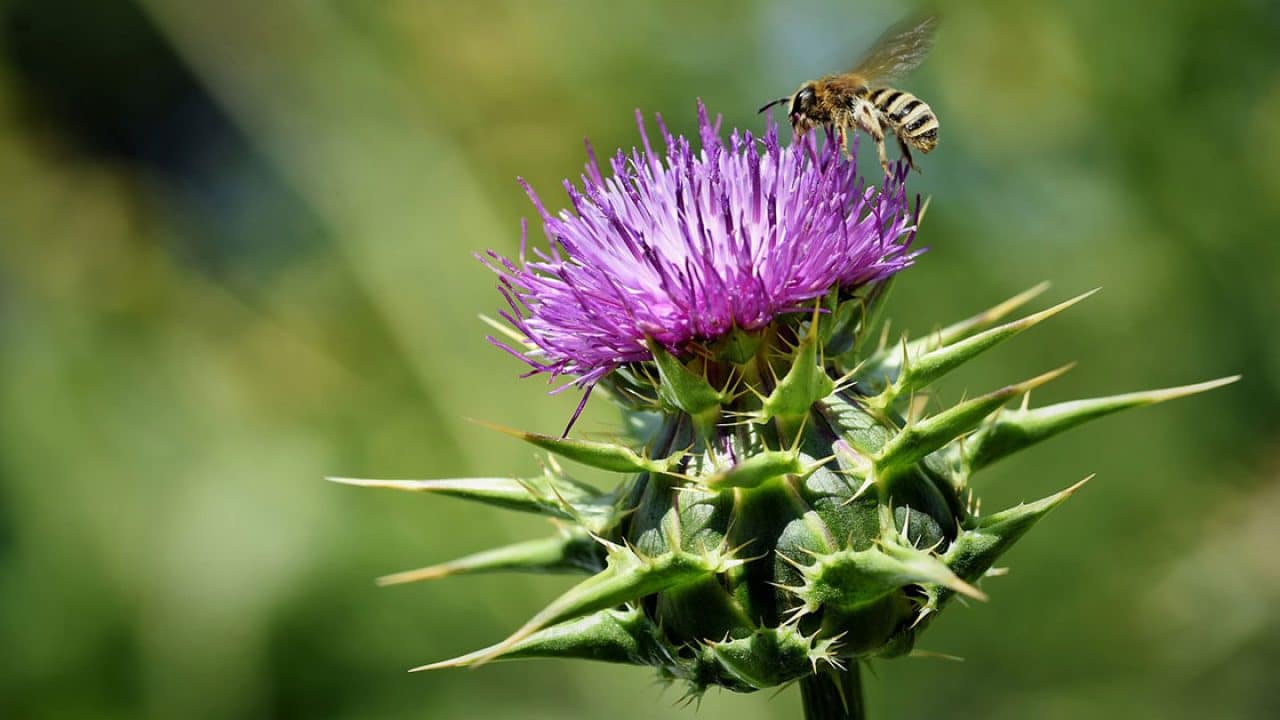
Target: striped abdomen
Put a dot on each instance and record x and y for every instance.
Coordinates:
(910, 117)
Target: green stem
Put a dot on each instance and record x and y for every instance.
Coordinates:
(834, 695)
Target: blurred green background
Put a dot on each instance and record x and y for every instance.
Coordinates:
(235, 257)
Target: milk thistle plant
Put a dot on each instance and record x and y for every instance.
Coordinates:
(786, 509)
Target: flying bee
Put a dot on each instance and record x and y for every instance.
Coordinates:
(860, 99)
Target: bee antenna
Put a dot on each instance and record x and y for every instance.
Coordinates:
(771, 104)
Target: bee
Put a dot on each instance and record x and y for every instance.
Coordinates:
(861, 100)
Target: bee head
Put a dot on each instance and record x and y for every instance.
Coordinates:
(802, 108)
(802, 103)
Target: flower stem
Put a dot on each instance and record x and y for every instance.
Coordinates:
(833, 695)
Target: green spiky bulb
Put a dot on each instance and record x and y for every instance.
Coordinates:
(787, 514)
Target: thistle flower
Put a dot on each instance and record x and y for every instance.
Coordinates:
(786, 511)
(689, 250)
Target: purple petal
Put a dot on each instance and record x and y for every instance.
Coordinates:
(683, 247)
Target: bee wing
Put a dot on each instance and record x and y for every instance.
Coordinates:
(899, 50)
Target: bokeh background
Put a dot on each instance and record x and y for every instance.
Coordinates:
(235, 257)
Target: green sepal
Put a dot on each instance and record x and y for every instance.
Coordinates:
(873, 309)
(627, 577)
(631, 387)
(850, 579)
(886, 363)
(768, 657)
(988, 317)
(840, 327)
(551, 494)
(572, 550)
(917, 439)
(853, 319)
(985, 539)
(738, 346)
(683, 389)
(804, 384)
(757, 469)
(602, 455)
(920, 370)
(1013, 430)
(614, 636)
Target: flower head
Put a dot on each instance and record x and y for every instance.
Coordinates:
(776, 520)
(686, 246)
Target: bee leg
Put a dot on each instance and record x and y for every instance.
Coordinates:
(867, 120)
(906, 153)
(843, 137)
(884, 159)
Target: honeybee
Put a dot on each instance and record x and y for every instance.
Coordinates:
(860, 100)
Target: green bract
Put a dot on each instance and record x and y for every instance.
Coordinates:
(789, 511)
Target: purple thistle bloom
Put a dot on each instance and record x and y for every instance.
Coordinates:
(687, 250)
